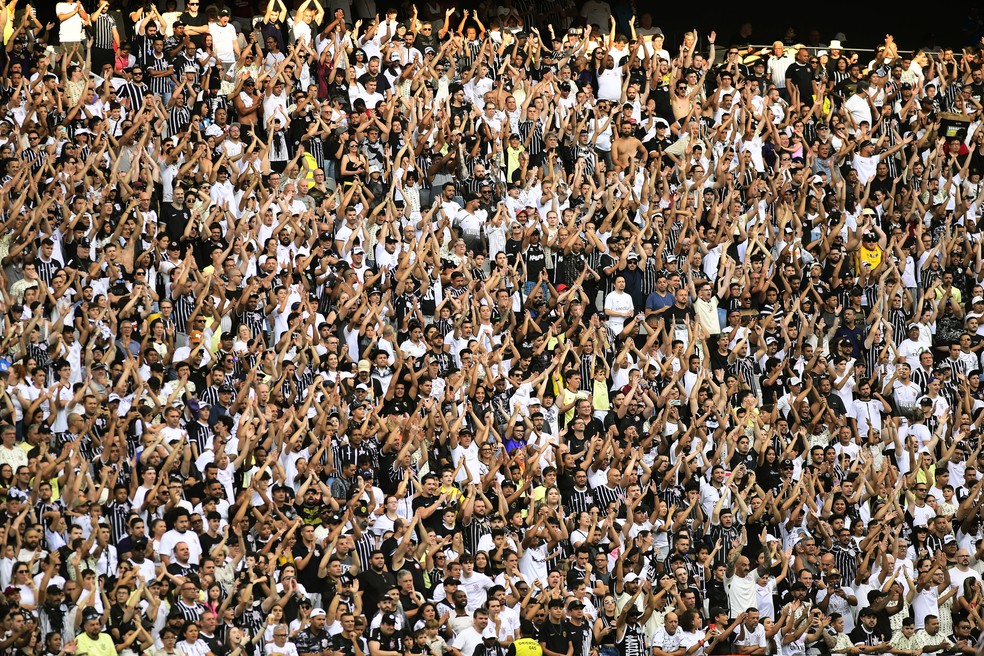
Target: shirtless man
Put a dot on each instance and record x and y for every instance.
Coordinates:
(248, 103)
(625, 146)
(680, 101)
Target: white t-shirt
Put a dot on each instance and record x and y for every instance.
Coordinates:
(471, 461)
(172, 538)
(618, 302)
(71, 30)
(610, 84)
(302, 32)
(467, 640)
(223, 37)
(741, 592)
(865, 166)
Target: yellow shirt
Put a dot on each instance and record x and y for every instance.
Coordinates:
(454, 494)
(103, 646)
(872, 256)
(599, 396)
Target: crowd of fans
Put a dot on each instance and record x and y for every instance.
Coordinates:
(522, 329)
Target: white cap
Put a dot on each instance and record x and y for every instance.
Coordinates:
(794, 380)
(630, 577)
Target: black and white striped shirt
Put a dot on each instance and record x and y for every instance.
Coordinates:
(649, 275)
(46, 270)
(921, 377)
(255, 320)
(160, 84)
(588, 156)
(474, 532)
(579, 501)
(200, 435)
(365, 546)
(36, 158)
(103, 33)
(184, 307)
(209, 395)
(604, 495)
(134, 92)
(118, 514)
(188, 613)
(535, 146)
(178, 119)
(846, 559)
(727, 535)
(345, 454)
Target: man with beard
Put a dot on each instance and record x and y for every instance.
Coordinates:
(176, 215)
(314, 640)
(349, 642)
(578, 630)
(627, 147)
(865, 414)
(375, 581)
(386, 640)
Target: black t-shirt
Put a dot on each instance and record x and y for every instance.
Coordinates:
(374, 585)
(177, 569)
(513, 248)
(682, 316)
(308, 577)
(201, 20)
(393, 642)
(802, 76)
(861, 637)
(536, 261)
(556, 637)
(347, 645)
(175, 220)
(437, 517)
(382, 84)
(579, 635)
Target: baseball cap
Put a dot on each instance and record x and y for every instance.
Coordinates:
(388, 618)
(364, 365)
(318, 612)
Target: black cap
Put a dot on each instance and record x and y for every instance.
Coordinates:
(786, 463)
(388, 618)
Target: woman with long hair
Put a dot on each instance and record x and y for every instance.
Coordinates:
(604, 628)
(970, 597)
(191, 643)
(691, 629)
